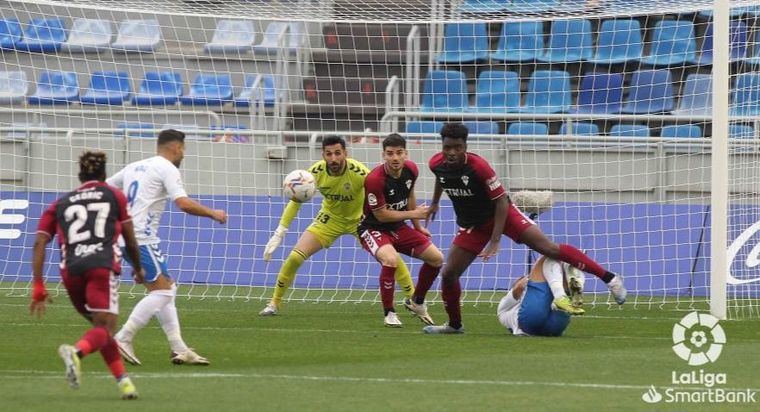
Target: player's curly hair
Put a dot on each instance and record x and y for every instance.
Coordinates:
(92, 165)
(454, 130)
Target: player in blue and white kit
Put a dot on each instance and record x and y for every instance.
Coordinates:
(148, 184)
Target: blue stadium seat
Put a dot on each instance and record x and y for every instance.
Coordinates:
(569, 41)
(89, 35)
(520, 41)
(10, 33)
(232, 36)
(600, 93)
(296, 33)
(619, 42)
(738, 34)
(630, 130)
(580, 129)
(243, 99)
(528, 129)
(681, 130)
(44, 35)
(483, 6)
(548, 92)
(696, 96)
(497, 92)
(107, 87)
(144, 129)
(650, 91)
(139, 36)
(464, 43)
(740, 131)
(209, 89)
(482, 127)
(159, 88)
(746, 95)
(424, 126)
(13, 87)
(672, 43)
(56, 87)
(444, 90)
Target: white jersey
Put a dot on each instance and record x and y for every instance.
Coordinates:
(148, 184)
(509, 314)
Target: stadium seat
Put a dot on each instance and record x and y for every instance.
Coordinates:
(232, 36)
(696, 96)
(580, 129)
(464, 43)
(745, 99)
(548, 92)
(243, 99)
(650, 91)
(482, 127)
(497, 92)
(444, 90)
(600, 93)
(619, 42)
(483, 6)
(159, 88)
(528, 129)
(681, 130)
(424, 126)
(630, 130)
(89, 35)
(141, 36)
(43, 35)
(672, 43)
(209, 89)
(10, 33)
(56, 87)
(520, 42)
(13, 87)
(569, 41)
(144, 129)
(740, 131)
(107, 87)
(296, 37)
(738, 34)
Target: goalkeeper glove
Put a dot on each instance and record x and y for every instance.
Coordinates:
(274, 242)
(39, 293)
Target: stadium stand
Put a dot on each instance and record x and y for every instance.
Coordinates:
(209, 89)
(520, 42)
(232, 36)
(619, 42)
(43, 35)
(107, 87)
(13, 87)
(159, 88)
(650, 91)
(445, 90)
(549, 91)
(528, 129)
(56, 87)
(249, 93)
(88, 35)
(600, 93)
(672, 43)
(139, 36)
(464, 43)
(630, 130)
(569, 41)
(497, 92)
(10, 33)
(579, 129)
(681, 130)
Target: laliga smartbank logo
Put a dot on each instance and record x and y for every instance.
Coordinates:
(698, 339)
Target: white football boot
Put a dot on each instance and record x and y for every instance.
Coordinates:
(392, 320)
(419, 311)
(188, 357)
(442, 329)
(269, 310)
(73, 367)
(127, 351)
(617, 289)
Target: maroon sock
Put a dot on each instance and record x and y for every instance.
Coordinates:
(387, 286)
(573, 256)
(93, 340)
(451, 294)
(110, 353)
(424, 282)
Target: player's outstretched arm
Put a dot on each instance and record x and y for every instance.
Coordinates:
(290, 212)
(39, 293)
(194, 208)
(133, 252)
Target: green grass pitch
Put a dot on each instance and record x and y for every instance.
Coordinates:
(339, 357)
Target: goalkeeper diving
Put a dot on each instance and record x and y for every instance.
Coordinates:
(340, 179)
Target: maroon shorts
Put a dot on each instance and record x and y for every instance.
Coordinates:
(404, 239)
(474, 239)
(96, 290)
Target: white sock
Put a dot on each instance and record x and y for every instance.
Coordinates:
(141, 314)
(169, 321)
(554, 277)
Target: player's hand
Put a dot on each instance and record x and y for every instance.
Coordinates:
(421, 212)
(432, 210)
(138, 276)
(220, 216)
(39, 298)
(274, 242)
(491, 250)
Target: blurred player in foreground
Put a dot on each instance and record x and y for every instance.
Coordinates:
(88, 222)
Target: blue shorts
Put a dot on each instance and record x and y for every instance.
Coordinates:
(536, 316)
(153, 261)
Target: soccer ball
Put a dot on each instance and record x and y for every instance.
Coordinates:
(299, 186)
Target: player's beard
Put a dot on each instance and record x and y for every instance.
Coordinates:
(335, 167)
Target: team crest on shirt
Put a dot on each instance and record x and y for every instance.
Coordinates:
(347, 186)
(372, 199)
(466, 180)
(409, 184)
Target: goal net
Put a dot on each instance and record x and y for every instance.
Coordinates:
(605, 103)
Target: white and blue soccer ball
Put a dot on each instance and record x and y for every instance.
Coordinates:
(299, 186)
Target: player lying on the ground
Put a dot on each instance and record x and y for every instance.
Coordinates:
(148, 183)
(389, 201)
(484, 213)
(340, 179)
(532, 305)
(88, 222)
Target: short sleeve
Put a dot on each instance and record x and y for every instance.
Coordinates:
(435, 161)
(117, 180)
(48, 221)
(374, 187)
(173, 183)
(317, 168)
(488, 178)
(121, 201)
(412, 168)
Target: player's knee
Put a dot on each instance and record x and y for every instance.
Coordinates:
(436, 259)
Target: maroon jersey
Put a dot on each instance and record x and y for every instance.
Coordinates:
(88, 223)
(381, 190)
(471, 187)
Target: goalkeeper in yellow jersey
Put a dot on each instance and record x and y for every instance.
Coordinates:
(340, 179)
